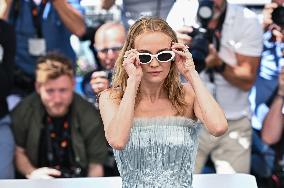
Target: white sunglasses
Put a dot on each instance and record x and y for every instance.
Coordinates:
(162, 57)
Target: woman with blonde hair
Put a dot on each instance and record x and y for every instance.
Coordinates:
(150, 118)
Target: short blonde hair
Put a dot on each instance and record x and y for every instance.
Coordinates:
(52, 66)
(172, 84)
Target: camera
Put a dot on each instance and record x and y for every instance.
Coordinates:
(102, 74)
(202, 36)
(72, 172)
(278, 16)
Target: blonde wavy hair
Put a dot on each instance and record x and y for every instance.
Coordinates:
(172, 83)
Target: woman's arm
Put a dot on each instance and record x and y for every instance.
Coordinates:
(205, 107)
(117, 115)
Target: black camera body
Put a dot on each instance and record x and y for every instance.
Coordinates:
(278, 16)
(72, 172)
(202, 36)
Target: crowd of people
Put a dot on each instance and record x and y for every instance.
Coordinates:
(220, 74)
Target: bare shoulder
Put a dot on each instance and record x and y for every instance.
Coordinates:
(111, 95)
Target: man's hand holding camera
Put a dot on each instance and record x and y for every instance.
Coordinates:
(273, 19)
(44, 173)
(183, 34)
(267, 11)
(213, 60)
(99, 81)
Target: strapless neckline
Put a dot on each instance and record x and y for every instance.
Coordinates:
(159, 120)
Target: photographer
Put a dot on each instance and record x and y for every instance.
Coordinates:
(41, 26)
(7, 55)
(272, 59)
(132, 10)
(108, 41)
(272, 132)
(231, 58)
(57, 132)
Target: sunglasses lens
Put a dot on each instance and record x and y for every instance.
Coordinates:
(166, 56)
(144, 58)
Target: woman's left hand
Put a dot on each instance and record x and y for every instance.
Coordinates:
(183, 59)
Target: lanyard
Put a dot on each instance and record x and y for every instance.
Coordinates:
(14, 12)
(37, 12)
(58, 140)
(217, 41)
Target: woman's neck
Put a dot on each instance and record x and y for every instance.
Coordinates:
(152, 92)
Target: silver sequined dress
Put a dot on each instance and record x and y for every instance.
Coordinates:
(160, 153)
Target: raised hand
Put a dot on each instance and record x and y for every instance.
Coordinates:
(213, 59)
(183, 59)
(99, 81)
(267, 11)
(183, 34)
(132, 64)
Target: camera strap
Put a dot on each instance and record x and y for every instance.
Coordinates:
(37, 12)
(14, 12)
(58, 150)
(217, 34)
(216, 40)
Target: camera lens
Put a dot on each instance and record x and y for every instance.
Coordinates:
(205, 12)
(199, 50)
(278, 16)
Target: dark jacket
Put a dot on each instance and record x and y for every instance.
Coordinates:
(8, 45)
(87, 134)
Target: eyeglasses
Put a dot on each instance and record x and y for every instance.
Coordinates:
(106, 50)
(162, 57)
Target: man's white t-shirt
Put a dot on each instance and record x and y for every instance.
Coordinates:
(241, 34)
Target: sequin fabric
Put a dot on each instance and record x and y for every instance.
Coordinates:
(160, 153)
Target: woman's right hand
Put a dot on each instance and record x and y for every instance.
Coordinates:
(132, 64)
